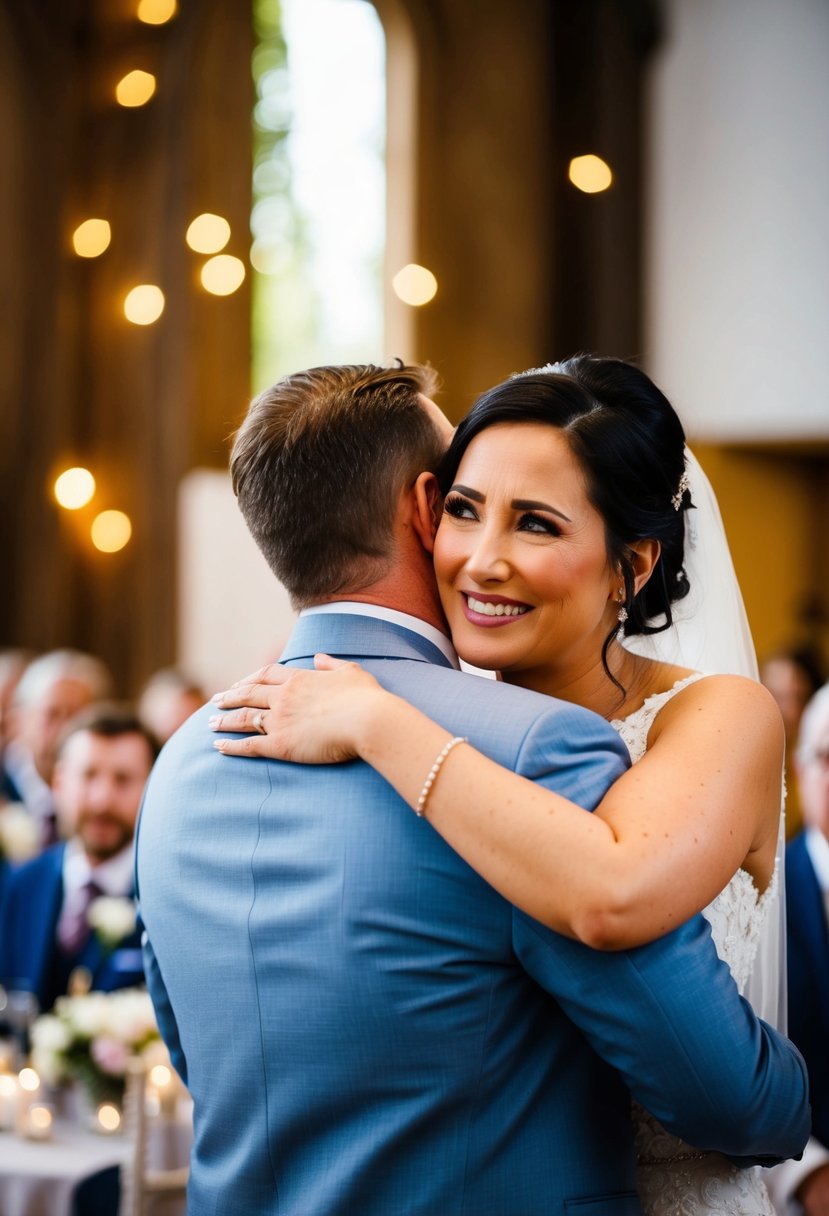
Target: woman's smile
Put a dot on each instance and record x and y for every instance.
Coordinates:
(489, 610)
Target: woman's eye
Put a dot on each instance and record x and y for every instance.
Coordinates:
(459, 508)
(538, 525)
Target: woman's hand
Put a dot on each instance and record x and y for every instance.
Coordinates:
(310, 717)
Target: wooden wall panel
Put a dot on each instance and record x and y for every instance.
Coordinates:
(139, 405)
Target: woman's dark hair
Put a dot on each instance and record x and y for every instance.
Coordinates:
(630, 445)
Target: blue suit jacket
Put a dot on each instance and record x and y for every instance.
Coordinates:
(29, 956)
(808, 967)
(367, 1027)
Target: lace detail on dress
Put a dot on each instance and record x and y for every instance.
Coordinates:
(674, 1179)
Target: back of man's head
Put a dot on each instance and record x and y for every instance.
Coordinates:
(319, 465)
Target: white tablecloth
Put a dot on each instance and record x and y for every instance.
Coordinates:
(40, 1178)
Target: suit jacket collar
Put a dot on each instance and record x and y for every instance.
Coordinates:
(358, 637)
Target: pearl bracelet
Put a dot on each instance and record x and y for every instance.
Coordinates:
(433, 772)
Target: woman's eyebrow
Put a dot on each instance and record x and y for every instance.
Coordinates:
(525, 504)
(475, 495)
(517, 504)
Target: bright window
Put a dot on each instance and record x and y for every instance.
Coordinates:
(319, 186)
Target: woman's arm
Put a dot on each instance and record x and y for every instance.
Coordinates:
(663, 842)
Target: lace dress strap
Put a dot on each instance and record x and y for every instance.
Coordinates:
(635, 728)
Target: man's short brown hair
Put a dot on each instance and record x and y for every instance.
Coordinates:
(319, 464)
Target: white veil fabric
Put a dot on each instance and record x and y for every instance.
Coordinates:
(710, 633)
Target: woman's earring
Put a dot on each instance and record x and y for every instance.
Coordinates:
(622, 615)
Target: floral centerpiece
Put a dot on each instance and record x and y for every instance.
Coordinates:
(19, 834)
(90, 1038)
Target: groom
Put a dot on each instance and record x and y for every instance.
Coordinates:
(366, 1027)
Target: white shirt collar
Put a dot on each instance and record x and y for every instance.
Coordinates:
(403, 619)
(818, 849)
(114, 876)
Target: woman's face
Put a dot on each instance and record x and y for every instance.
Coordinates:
(521, 558)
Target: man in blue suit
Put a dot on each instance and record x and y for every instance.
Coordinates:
(365, 1026)
(47, 944)
(803, 1186)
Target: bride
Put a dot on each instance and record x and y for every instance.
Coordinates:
(575, 529)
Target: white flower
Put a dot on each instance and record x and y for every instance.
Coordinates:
(50, 1033)
(85, 1016)
(49, 1065)
(111, 918)
(132, 1017)
(19, 834)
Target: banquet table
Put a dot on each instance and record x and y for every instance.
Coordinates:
(77, 1171)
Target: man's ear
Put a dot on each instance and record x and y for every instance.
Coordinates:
(428, 506)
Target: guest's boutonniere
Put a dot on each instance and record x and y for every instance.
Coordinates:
(111, 918)
(19, 836)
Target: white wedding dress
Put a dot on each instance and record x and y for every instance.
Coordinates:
(673, 1178)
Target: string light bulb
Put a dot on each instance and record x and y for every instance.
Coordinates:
(111, 531)
(144, 304)
(74, 488)
(415, 285)
(222, 275)
(590, 174)
(91, 238)
(208, 233)
(156, 12)
(135, 89)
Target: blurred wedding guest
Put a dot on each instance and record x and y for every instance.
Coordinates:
(68, 917)
(167, 700)
(52, 689)
(13, 663)
(792, 676)
(803, 1186)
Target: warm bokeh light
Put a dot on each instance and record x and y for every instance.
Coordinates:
(29, 1080)
(111, 531)
(135, 89)
(590, 174)
(208, 233)
(8, 1085)
(74, 488)
(91, 238)
(144, 304)
(222, 275)
(156, 12)
(109, 1117)
(40, 1117)
(160, 1075)
(415, 285)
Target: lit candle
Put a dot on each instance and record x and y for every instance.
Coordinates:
(109, 1118)
(38, 1123)
(28, 1085)
(8, 1101)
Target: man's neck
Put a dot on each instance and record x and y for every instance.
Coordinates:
(404, 591)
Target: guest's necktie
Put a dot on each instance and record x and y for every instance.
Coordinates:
(73, 927)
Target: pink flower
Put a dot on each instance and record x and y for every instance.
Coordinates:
(110, 1055)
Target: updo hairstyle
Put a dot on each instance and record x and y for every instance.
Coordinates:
(630, 445)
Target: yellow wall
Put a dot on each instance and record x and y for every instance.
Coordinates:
(774, 506)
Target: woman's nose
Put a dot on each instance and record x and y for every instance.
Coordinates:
(488, 561)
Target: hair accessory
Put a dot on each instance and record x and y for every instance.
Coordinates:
(547, 369)
(433, 773)
(676, 501)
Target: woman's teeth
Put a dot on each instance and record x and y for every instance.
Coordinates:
(489, 609)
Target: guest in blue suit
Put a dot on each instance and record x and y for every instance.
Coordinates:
(47, 944)
(365, 1025)
(803, 1186)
